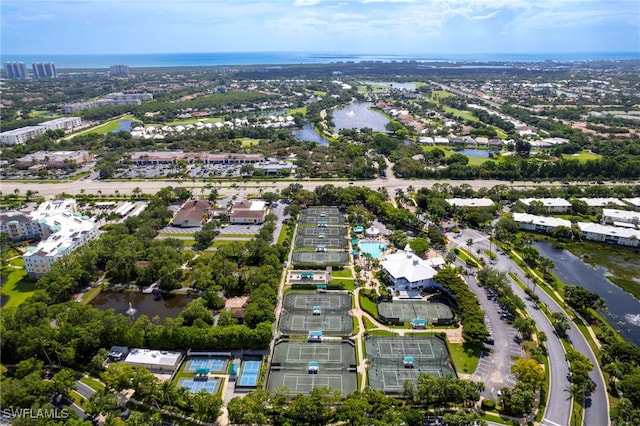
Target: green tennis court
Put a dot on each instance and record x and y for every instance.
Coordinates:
(405, 311)
(391, 380)
(391, 348)
(334, 243)
(298, 354)
(330, 324)
(328, 302)
(321, 216)
(320, 258)
(332, 231)
(303, 382)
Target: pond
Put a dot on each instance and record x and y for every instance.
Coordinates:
(482, 153)
(358, 116)
(123, 125)
(309, 133)
(623, 309)
(136, 304)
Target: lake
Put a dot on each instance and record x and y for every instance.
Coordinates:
(623, 309)
(123, 125)
(358, 116)
(169, 306)
(471, 152)
(309, 133)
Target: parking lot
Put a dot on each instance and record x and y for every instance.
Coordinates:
(150, 171)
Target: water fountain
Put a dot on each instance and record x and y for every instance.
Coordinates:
(131, 311)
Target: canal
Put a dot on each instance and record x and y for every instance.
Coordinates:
(623, 309)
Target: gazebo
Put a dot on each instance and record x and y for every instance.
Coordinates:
(372, 232)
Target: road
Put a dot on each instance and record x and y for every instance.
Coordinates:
(230, 188)
(558, 408)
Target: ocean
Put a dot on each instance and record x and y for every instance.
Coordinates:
(153, 60)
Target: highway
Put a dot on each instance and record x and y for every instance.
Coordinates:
(559, 403)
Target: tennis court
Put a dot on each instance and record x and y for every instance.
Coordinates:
(333, 231)
(321, 216)
(405, 311)
(328, 302)
(196, 386)
(302, 366)
(298, 354)
(334, 243)
(391, 348)
(320, 258)
(249, 372)
(297, 323)
(215, 365)
(395, 359)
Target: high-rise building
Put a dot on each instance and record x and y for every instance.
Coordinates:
(120, 70)
(15, 70)
(44, 70)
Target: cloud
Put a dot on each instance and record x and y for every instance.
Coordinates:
(483, 17)
(306, 2)
(36, 17)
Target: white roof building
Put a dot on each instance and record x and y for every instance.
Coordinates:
(153, 359)
(62, 230)
(635, 202)
(533, 222)
(610, 234)
(406, 271)
(601, 202)
(470, 202)
(615, 216)
(558, 205)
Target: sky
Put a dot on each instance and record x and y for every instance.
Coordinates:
(337, 26)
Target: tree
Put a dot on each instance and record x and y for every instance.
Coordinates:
(207, 405)
(581, 298)
(469, 243)
(419, 246)
(118, 376)
(528, 372)
(64, 382)
(523, 148)
(195, 310)
(560, 323)
(464, 418)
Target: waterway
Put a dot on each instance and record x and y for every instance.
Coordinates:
(358, 116)
(411, 87)
(623, 309)
(169, 306)
(309, 133)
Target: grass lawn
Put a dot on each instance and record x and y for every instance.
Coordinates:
(246, 142)
(368, 325)
(78, 399)
(301, 110)
(368, 306)
(583, 155)
(348, 284)
(88, 296)
(382, 333)
(344, 273)
(92, 383)
(107, 127)
(464, 357)
(18, 287)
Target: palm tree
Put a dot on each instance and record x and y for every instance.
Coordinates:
(469, 244)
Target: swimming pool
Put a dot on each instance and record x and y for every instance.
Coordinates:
(374, 248)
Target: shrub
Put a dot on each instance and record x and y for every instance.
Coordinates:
(488, 404)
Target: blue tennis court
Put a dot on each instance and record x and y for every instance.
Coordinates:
(215, 365)
(249, 374)
(196, 386)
